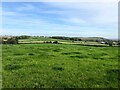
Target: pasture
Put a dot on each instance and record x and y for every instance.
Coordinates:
(0, 66)
(59, 66)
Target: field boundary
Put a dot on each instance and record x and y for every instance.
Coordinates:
(74, 44)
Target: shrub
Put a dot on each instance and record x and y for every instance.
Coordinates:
(12, 41)
(47, 42)
(44, 42)
(56, 42)
(109, 42)
(50, 42)
(119, 43)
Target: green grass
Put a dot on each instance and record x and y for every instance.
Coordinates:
(58, 65)
(40, 40)
(35, 39)
(0, 66)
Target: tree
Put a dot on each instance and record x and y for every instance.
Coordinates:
(50, 42)
(56, 42)
(109, 42)
(119, 42)
(44, 41)
(12, 41)
(79, 39)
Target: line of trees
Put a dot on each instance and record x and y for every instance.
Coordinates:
(67, 38)
(23, 37)
(55, 42)
(92, 39)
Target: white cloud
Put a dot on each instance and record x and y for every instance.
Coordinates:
(101, 13)
(108, 14)
(74, 20)
(32, 7)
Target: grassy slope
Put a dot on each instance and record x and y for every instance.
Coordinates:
(50, 65)
(41, 39)
(0, 66)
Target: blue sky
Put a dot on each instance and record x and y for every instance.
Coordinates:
(82, 19)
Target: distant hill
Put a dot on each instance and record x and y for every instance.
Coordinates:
(80, 38)
(94, 39)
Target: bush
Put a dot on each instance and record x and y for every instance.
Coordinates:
(50, 42)
(12, 41)
(44, 42)
(110, 43)
(47, 41)
(56, 42)
(118, 42)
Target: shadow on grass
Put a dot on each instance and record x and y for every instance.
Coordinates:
(57, 50)
(12, 67)
(30, 54)
(57, 68)
(113, 76)
(18, 54)
(78, 56)
(68, 53)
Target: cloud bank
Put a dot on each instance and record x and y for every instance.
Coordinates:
(61, 18)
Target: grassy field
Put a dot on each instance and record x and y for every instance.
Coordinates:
(0, 66)
(36, 40)
(58, 65)
(41, 40)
